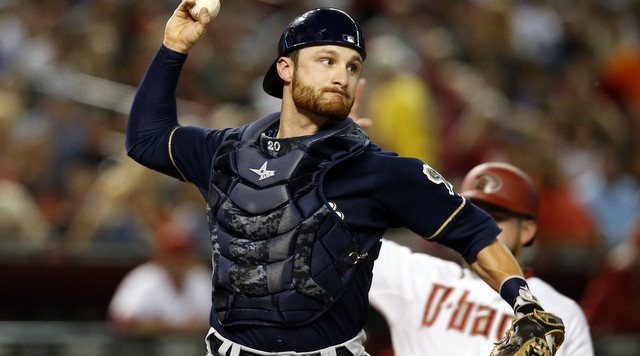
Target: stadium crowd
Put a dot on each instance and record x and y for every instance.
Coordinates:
(552, 86)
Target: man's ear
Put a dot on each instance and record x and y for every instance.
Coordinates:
(285, 69)
(529, 228)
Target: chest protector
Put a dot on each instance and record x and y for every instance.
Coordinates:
(281, 253)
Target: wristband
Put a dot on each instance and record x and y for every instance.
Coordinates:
(515, 291)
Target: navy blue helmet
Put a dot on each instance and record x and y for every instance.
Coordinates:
(320, 26)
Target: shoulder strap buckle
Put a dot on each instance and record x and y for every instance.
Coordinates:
(356, 257)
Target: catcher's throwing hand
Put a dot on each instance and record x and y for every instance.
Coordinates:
(539, 333)
(182, 31)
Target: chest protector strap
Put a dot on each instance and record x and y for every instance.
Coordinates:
(281, 254)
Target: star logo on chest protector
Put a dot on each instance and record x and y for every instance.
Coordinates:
(263, 172)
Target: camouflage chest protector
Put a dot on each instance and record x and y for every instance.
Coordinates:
(281, 254)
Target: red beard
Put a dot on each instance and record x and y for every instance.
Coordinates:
(331, 104)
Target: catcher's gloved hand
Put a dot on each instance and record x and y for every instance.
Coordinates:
(537, 333)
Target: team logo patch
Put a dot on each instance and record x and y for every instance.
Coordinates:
(437, 178)
(349, 38)
(526, 295)
(488, 183)
(263, 172)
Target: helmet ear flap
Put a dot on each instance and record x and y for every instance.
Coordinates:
(325, 25)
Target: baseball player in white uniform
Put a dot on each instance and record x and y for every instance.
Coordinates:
(438, 307)
(168, 293)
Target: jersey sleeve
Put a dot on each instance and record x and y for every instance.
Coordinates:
(154, 137)
(191, 150)
(419, 198)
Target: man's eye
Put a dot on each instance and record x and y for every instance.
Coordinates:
(326, 61)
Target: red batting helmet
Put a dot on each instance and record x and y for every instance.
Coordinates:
(502, 185)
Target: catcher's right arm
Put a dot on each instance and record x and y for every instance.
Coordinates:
(538, 333)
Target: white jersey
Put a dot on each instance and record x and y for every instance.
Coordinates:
(147, 293)
(437, 307)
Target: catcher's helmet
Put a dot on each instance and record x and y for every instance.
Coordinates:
(324, 25)
(504, 186)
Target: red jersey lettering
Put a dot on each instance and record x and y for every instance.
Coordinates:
(467, 317)
(438, 296)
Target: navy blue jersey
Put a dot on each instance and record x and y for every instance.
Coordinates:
(374, 191)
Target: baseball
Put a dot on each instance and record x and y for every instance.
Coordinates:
(212, 5)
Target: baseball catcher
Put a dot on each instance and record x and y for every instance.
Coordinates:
(298, 200)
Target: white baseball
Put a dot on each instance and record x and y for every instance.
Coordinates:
(212, 5)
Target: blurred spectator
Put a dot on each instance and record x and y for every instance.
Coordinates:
(611, 300)
(122, 209)
(612, 194)
(116, 214)
(400, 103)
(536, 30)
(17, 233)
(481, 132)
(169, 294)
(570, 243)
(621, 76)
(563, 218)
(12, 35)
